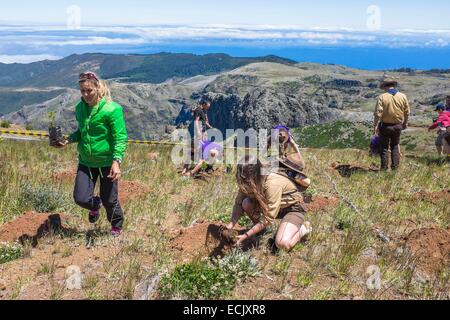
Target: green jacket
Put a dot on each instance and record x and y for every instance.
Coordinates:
(101, 134)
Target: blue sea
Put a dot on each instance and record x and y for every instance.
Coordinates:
(369, 58)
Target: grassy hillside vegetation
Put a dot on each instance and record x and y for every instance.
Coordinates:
(157, 249)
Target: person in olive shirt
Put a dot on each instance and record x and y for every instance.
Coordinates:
(102, 141)
(390, 119)
(265, 198)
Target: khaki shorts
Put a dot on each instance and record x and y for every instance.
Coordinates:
(294, 214)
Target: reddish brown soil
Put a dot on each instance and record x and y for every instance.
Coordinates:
(434, 197)
(430, 248)
(65, 176)
(319, 204)
(347, 170)
(129, 190)
(200, 240)
(29, 227)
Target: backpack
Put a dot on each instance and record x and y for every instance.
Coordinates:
(291, 168)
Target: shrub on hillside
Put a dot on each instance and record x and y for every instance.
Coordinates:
(209, 279)
(10, 252)
(41, 198)
(5, 124)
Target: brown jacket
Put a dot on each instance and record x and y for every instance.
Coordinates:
(392, 109)
(280, 193)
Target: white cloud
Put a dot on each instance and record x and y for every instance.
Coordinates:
(53, 36)
(89, 41)
(26, 58)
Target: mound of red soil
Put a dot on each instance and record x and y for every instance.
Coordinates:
(29, 227)
(347, 170)
(434, 197)
(430, 249)
(203, 239)
(129, 190)
(319, 204)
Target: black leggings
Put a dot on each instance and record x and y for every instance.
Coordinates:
(83, 193)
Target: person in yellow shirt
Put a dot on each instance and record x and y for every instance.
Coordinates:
(266, 198)
(390, 119)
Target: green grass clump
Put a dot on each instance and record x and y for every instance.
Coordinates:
(41, 198)
(197, 280)
(209, 279)
(10, 252)
(239, 264)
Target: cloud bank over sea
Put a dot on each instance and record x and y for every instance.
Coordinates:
(24, 44)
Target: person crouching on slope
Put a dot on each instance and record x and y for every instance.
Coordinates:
(287, 144)
(265, 198)
(102, 141)
(443, 123)
(211, 153)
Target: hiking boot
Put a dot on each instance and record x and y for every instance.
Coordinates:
(94, 215)
(272, 246)
(116, 232)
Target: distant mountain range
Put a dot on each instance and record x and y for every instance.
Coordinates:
(153, 68)
(160, 90)
(48, 79)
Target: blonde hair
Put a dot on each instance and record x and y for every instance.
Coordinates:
(101, 85)
(103, 90)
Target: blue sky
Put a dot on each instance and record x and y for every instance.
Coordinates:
(399, 14)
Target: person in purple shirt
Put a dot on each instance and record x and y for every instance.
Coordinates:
(211, 153)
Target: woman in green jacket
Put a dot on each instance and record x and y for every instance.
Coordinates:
(102, 141)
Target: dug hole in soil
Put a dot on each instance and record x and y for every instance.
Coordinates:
(430, 251)
(206, 239)
(347, 170)
(30, 226)
(200, 240)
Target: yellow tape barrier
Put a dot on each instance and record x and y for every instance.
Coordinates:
(43, 134)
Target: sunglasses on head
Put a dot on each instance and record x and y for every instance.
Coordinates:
(88, 76)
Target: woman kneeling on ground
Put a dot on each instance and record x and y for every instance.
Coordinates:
(267, 198)
(211, 154)
(102, 141)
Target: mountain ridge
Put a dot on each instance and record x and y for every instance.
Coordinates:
(256, 95)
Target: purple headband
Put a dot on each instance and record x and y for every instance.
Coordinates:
(279, 127)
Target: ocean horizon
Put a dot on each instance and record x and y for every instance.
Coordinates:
(359, 58)
(361, 49)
